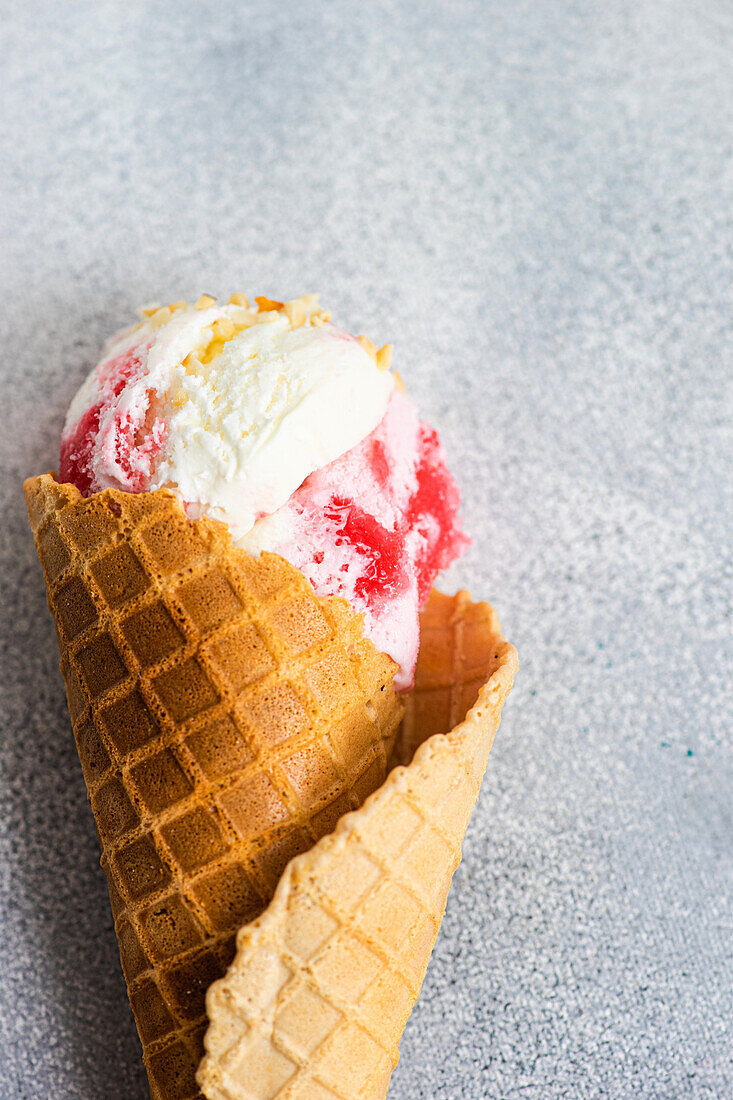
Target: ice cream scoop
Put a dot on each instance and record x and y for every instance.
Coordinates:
(290, 431)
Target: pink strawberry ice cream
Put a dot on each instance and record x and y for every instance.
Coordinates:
(290, 431)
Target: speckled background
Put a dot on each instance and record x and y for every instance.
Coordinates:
(533, 201)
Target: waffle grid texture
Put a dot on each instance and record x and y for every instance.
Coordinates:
(225, 718)
(314, 1005)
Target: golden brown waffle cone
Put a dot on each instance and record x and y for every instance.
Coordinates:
(225, 719)
(314, 1005)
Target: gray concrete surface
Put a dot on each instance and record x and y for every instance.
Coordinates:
(533, 201)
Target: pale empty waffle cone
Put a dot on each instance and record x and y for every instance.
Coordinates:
(314, 1005)
(225, 718)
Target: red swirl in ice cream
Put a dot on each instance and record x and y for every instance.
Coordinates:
(290, 431)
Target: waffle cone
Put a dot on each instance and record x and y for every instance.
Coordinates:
(225, 719)
(314, 1005)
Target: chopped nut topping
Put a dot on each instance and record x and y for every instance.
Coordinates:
(303, 310)
(264, 305)
(384, 357)
(205, 302)
(369, 347)
(223, 329)
(161, 317)
(296, 312)
(243, 318)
